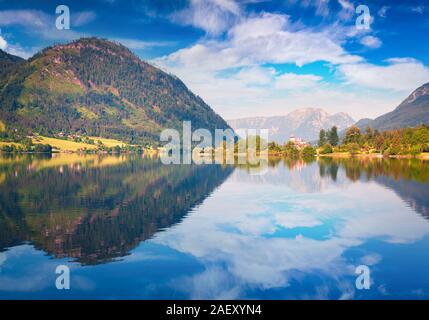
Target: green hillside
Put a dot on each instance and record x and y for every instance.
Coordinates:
(95, 87)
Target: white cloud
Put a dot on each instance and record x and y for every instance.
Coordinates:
(213, 16)
(3, 43)
(347, 9)
(255, 75)
(256, 40)
(209, 68)
(137, 44)
(418, 9)
(399, 74)
(27, 18)
(296, 81)
(18, 50)
(82, 18)
(371, 42)
(230, 71)
(37, 22)
(371, 259)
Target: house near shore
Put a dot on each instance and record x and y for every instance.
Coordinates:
(298, 142)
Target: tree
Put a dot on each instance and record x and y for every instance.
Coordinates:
(274, 147)
(333, 136)
(42, 148)
(353, 147)
(322, 138)
(291, 150)
(326, 148)
(308, 151)
(353, 135)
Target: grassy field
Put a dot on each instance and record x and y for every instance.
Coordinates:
(108, 142)
(2, 126)
(70, 146)
(67, 145)
(64, 145)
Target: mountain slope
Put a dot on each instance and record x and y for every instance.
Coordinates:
(7, 63)
(411, 112)
(303, 123)
(100, 88)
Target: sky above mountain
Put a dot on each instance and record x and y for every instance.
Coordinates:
(252, 57)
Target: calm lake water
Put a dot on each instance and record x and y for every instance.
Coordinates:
(130, 227)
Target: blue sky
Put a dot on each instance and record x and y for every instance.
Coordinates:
(252, 57)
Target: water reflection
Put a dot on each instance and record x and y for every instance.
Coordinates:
(298, 231)
(96, 208)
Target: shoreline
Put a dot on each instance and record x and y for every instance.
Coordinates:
(422, 156)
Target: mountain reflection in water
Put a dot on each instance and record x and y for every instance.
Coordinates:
(96, 208)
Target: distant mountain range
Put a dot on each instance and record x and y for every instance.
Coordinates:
(99, 88)
(411, 112)
(302, 123)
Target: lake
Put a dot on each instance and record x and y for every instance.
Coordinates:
(129, 227)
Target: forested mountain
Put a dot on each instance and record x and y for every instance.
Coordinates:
(96, 87)
(411, 112)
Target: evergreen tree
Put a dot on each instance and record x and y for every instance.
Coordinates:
(322, 138)
(333, 136)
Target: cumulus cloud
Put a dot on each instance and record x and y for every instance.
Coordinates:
(230, 74)
(371, 42)
(255, 75)
(251, 43)
(260, 39)
(399, 74)
(213, 16)
(229, 68)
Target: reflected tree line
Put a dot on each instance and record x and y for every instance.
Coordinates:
(408, 178)
(371, 168)
(357, 168)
